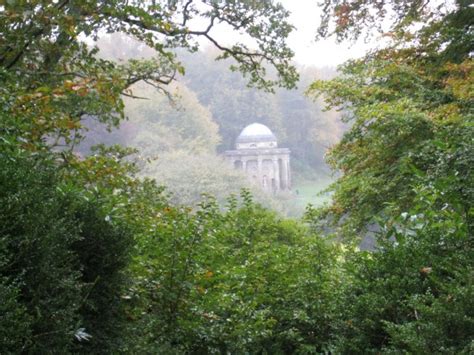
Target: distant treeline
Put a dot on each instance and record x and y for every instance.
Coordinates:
(213, 104)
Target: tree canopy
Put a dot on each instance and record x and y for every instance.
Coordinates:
(411, 108)
(52, 76)
(406, 168)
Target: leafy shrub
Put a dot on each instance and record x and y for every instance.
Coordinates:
(39, 271)
(241, 280)
(61, 261)
(416, 293)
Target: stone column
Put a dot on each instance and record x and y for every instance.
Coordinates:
(288, 171)
(259, 169)
(276, 173)
(284, 174)
(244, 165)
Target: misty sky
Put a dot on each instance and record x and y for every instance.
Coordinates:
(305, 15)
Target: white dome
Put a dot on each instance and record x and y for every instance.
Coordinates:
(256, 129)
(256, 132)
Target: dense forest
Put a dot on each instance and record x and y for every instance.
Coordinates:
(113, 117)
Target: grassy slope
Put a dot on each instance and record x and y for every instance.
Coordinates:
(307, 191)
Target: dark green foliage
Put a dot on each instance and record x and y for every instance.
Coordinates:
(103, 252)
(416, 293)
(39, 272)
(62, 262)
(15, 322)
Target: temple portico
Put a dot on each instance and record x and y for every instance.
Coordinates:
(258, 155)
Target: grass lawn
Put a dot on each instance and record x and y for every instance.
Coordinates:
(308, 192)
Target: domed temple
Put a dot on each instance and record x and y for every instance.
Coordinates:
(257, 154)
